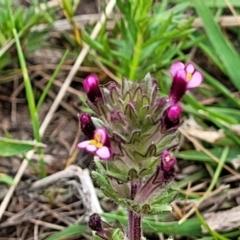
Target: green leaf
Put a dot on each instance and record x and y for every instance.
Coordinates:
(106, 187)
(156, 209)
(6, 179)
(66, 233)
(164, 197)
(11, 147)
(67, 6)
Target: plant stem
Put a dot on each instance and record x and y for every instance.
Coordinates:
(134, 219)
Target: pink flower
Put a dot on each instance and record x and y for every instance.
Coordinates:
(91, 87)
(193, 77)
(184, 77)
(99, 145)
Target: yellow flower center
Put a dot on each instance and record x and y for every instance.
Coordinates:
(189, 76)
(97, 140)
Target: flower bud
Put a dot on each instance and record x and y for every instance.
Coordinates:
(95, 223)
(172, 117)
(167, 161)
(165, 171)
(86, 125)
(174, 112)
(91, 87)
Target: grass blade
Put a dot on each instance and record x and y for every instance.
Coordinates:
(12, 147)
(222, 46)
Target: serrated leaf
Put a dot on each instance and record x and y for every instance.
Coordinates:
(99, 166)
(166, 196)
(156, 209)
(11, 147)
(106, 187)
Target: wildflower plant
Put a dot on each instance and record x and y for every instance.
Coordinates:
(132, 134)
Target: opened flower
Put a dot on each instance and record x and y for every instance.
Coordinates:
(184, 77)
(193, 77)
(99, 145)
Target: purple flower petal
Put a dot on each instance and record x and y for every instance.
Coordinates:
(83, 144)
(190, 68)
(168, 161)
(180, 75)
(176, 67)
(178, 87)
(196, 80)
(174, 112)
(89, 82)
(100, 132)
(91, 87)
(103, 135)
(91, 148)
(103, 153)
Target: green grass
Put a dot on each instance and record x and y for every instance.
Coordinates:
(138, 44)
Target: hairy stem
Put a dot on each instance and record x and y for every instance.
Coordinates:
(134, 219)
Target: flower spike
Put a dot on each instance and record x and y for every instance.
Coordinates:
(133, 128)
(99, 145)
(91, 87)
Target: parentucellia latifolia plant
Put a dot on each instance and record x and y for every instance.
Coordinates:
(132, 133)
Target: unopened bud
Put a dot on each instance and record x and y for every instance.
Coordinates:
(86, 125)
(91, 87)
